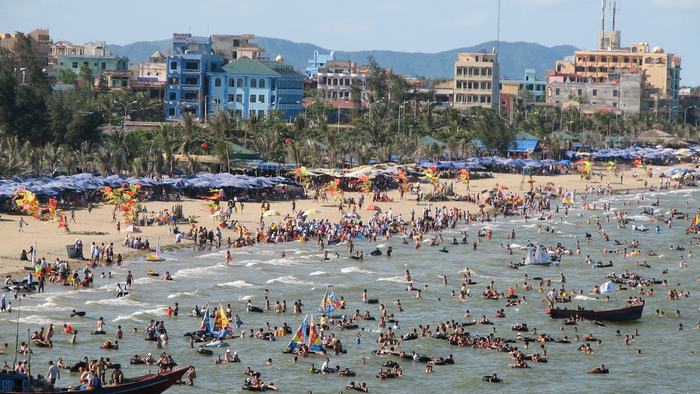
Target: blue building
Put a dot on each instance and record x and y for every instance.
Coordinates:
(536, 88)
(317, 62)
(252, 88)
(188, 65)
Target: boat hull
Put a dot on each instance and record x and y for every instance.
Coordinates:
(147, 384)
(630, 313)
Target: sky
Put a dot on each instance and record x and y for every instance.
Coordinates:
(401, 25)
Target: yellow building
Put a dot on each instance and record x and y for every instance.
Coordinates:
(661, 71)
(476, 80)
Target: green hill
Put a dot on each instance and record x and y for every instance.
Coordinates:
(515, 56)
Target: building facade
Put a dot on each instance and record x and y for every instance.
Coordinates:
(476, 80)
(317, 62)
(187, 84)
(233, 47)
(336, 78)
(155, 69)
(620, 92)
(248, 88)
(662, 71)
(40, 42)
(96, 64)
(65, 48)
(529, 85)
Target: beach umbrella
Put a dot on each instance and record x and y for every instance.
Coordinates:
(372, 207)
(132, 229)
(531, 181)
(272, 212)
(312, 211)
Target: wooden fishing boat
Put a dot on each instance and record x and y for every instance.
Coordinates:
(631, 312)
(147, 384)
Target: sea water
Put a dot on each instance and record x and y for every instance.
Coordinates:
(668, 363)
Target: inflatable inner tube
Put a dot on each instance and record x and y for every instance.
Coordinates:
(373, 301)
(204, 351)
(255, 309)
(80, 313)
(101, 332)
(491, 379)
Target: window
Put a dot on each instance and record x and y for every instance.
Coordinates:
(103, 65)
(230, 98)
(616, 93)
(239, 98)
(272, 99)
(261, 83)
(261, 98)
(253, 83)
(171, 111)
(173, 96)
(231, 82)
(75, 64)
(173, 65)
(239, 82)
(274, 82)
(192, 65)
(261, 113)
(251, 113)
(556, 91)
(252, 98)
(217, 82)
(595, 92)
(239, 113)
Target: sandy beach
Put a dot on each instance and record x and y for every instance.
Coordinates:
(51, 242)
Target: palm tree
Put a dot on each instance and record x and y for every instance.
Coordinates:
(166, 139)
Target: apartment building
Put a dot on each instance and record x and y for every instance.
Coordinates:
(251, 88)
(620, 92)
(476, 80)
(187, 83)
(336, 78)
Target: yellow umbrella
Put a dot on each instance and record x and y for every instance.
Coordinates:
(312, 211)
(271, 212)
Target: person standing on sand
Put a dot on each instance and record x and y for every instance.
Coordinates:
(21, 224)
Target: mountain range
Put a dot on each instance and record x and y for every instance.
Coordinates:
(515, 57)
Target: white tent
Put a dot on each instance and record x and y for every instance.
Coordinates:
(537, 256)
(607, 287)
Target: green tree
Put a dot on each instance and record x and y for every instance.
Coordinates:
(8, 92)
(493, 132)
(66, 77)
(83, 127)
(376, 81)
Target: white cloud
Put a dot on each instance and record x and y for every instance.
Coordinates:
(676, 4)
